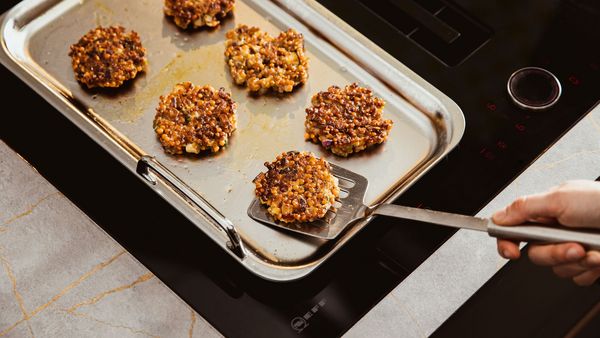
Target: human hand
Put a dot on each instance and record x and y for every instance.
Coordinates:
(571, 204)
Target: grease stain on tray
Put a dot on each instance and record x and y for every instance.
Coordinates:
(103, 15)
(184, 66)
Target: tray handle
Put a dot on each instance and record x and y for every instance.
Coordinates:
(148, 166)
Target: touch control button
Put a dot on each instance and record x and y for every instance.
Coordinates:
(534, 88)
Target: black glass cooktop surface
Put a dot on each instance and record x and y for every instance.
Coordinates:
(468, 49)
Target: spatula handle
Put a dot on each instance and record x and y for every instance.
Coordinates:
(546, 234)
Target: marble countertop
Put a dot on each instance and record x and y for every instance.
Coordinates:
(61, 275)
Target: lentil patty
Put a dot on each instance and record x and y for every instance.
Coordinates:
(192, 119)
(107, 57)
(198, 13)
(297, 187)
(262, 62)
(347, 120)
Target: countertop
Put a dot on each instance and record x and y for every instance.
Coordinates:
(61, 275)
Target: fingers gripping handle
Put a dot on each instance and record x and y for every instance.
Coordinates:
(546, 234)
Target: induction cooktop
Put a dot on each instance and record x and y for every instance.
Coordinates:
(469, 49)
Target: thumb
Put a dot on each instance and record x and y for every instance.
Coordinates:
(528, 208)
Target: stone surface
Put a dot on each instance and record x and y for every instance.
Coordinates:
(467, 260)
(63, 276)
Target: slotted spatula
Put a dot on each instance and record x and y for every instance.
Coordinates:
(352, 209)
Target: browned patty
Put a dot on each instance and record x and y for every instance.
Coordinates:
(198, 13)
(262, 62)
(192, 119)
(297, 187)
(107, 57)
(347, 120)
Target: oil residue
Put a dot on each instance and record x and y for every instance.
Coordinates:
(196, 66)
(103, 15)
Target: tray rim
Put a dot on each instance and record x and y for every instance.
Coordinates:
(102, 133)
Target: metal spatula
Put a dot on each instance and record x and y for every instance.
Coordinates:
(352, 209)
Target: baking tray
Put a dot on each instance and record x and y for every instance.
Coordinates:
(214, 191)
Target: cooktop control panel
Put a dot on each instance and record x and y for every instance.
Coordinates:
(534, 88)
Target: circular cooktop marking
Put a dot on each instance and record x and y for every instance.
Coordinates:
(534, 88)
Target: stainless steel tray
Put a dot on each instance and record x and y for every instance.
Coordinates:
(214, 191)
